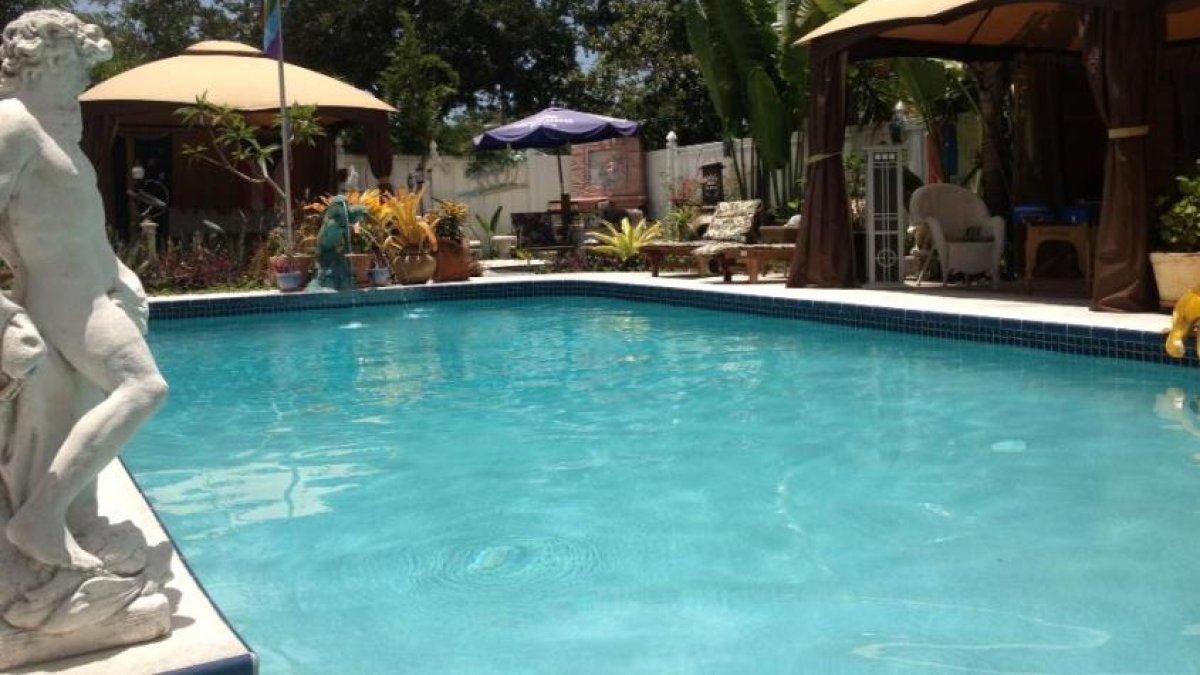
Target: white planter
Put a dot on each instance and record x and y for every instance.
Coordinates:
(380, 276)
(504, 243)
(289, 281)
(1175, 274)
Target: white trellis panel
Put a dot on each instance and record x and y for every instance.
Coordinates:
(885, 219)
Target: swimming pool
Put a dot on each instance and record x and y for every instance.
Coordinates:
(575, 484)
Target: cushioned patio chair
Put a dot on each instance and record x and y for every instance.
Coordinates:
(966, 238)
(732, 223)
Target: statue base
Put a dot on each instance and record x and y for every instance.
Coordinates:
(147, 618)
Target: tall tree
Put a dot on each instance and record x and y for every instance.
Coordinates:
(11, 9)
(639, 65)
(345, 40)
(419, 84)
(146, 30)
(511, 55)
(521, 51)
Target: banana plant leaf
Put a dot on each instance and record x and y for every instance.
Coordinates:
(768, 121)
(716, 67)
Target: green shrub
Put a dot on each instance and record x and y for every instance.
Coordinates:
(1179, 223)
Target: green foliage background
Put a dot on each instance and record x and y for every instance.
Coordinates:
(451, 67)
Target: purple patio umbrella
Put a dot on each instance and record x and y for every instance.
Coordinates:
(554, 128)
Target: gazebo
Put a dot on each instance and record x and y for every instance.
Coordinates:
(140, 104)
(1127, 48)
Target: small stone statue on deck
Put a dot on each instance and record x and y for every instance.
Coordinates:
(77, 378)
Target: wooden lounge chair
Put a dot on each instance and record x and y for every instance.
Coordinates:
(732, 223)
(777, 243)
(752, 257)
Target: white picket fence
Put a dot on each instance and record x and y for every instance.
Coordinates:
(534, 183)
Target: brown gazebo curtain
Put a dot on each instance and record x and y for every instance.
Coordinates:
(1058, 137)
(1183, 69)
(1121, 49)
(824, 254)
(99, 132)
(314, 169)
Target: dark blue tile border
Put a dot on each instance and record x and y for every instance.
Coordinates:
(243, 664)
(1091, 341)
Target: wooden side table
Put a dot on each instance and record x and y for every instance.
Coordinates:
(1077, 235)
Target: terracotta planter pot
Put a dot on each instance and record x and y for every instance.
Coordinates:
(413, 268)
(1174, 274)
(453, 261)
(360, 267)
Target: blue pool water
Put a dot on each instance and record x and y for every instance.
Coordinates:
(589, 486)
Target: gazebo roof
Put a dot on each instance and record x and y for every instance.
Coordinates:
(961, 28)
(228, 73)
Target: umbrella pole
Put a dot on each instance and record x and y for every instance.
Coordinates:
(564, 199)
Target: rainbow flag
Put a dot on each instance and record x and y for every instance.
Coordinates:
(272, 29)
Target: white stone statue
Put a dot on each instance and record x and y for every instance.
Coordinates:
(76, 376)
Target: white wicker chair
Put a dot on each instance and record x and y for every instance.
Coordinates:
(966, 238)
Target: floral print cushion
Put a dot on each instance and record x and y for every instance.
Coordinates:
(715, 248)
(744, 208)
(733, 221)
(731, 228)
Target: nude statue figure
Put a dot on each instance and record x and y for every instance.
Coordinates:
(84, 302)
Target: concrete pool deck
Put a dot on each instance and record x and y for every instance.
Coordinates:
(973, 300)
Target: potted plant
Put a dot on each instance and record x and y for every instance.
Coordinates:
(488, 233)
(290, 269)
(285, 274)
(453, 251)
(1177, 268)
(374, 234)
(411, 241)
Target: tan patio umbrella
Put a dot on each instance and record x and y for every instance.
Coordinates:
(1124, 42)
(231, 74)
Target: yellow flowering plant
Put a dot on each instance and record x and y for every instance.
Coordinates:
(406, 229)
